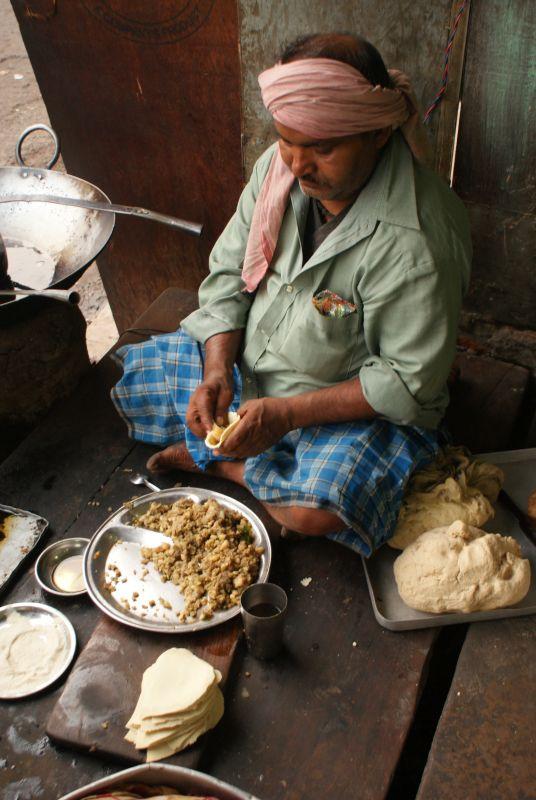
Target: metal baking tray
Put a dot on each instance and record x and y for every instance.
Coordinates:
(118, 541)
(20, 531)
(42, 616)
(181, 778)
(390, 610)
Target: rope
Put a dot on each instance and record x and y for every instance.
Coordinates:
(42, 17)
(444, 80)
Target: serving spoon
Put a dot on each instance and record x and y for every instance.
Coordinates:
(138, 479)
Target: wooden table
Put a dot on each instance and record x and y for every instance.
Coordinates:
(349, 710)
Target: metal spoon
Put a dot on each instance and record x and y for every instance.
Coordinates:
(195, 228)
(67, 295)
(139, 479)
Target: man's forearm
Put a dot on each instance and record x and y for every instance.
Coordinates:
(221, 350)
(344, 402)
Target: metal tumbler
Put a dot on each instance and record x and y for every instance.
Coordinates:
(263, 607)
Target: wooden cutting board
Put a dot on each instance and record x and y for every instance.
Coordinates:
(104, 686)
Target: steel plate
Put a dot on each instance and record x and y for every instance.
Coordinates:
(43, 617)
(117, 542)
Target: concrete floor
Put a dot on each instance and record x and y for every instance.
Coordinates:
(21, 105)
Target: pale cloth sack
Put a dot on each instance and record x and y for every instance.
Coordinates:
(324, 99)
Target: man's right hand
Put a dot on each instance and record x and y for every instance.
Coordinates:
(210, 402)
(212, 398)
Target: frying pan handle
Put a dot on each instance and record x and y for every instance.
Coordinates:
(39, 127)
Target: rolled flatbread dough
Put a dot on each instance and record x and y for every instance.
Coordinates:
(179, 700)
(182, 740)
(462, 568)
(218, 434)
(172, 685)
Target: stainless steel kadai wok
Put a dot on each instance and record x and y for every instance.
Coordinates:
(57, 229)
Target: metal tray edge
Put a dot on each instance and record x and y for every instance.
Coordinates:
(5, 585)
(193, 780)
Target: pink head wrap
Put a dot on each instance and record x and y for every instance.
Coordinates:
(322, 98)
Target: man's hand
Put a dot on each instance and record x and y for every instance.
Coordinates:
(262, 423)
(210, 402)
(212, 398)
(267, 420)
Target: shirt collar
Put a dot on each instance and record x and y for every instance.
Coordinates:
(389, 196)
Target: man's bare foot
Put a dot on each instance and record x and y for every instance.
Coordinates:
(176, 456)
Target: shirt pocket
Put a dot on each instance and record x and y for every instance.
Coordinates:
(321, 346)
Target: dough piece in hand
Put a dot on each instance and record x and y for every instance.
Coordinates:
(217, 435)
(462, 568)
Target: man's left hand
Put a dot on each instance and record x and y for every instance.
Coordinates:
(262, 423)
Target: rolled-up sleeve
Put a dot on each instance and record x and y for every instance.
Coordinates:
(410, 324)
(223, 306)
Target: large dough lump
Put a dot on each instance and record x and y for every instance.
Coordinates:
(453, 487)
(462, 568)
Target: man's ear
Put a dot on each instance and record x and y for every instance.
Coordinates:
(382, 136)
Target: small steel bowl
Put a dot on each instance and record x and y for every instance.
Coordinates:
(51, 557)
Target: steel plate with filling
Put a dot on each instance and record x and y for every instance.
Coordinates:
(44, 619)
(19, 533)
(117, 544)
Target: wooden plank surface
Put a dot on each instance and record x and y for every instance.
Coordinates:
(146, 100)
(58, 471)
(484, 744)
(103, 688)
(328, 718)
(326, 715)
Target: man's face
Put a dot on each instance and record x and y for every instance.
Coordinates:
(331, 169)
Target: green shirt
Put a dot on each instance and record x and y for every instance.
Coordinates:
(401, 255)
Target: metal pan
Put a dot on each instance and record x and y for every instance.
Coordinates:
(49, 244)
(182, 778)
(118, 541)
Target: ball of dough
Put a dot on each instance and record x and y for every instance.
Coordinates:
(461, 568)
(444, 504)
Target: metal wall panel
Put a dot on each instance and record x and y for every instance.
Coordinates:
(146, 100)
(410, 36)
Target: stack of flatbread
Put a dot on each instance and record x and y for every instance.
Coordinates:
(179, 701)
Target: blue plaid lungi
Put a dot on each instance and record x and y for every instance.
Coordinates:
(356, 470)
